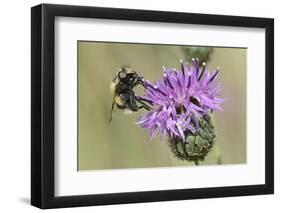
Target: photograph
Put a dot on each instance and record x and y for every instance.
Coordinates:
(140, 105)
(160, 105)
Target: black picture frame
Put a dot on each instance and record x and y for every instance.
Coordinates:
(43, 102)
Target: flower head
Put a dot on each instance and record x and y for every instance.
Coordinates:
(179, 99)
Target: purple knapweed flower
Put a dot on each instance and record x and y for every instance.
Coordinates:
(179, 99)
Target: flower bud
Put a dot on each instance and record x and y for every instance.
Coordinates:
(196, 145)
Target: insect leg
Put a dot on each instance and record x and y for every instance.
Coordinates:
(132, 101)
(112, 107)
(143, 104)
(136, 82)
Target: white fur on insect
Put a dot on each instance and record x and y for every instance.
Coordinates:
(118, 100)
(113, 85)
(127, 111)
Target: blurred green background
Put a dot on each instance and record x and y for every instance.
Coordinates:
(125, 145)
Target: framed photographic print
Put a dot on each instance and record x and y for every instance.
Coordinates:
(140, 106)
